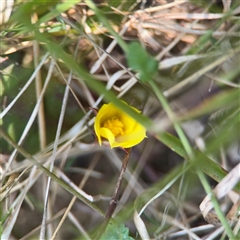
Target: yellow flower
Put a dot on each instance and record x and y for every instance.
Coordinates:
(117, 127)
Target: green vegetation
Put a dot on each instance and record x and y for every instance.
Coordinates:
(177, 62)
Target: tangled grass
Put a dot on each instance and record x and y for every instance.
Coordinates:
(177, 61)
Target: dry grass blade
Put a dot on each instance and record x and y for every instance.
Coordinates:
(56, 142)
(16, 206)
(41, 115)
(195, 77)
(4, 112)
(5, 11)
(78, 225)
(142, 230)
(73, 201)
(221, 190)
(30, 122)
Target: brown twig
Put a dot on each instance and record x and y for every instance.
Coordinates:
(113, 202)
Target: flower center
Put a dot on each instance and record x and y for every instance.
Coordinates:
(115, 126)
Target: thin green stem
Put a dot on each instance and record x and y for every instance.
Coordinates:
(215, 204)
(170, 114)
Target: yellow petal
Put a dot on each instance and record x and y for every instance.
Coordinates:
(131, 139)
(106, 133)
(128, 121)
(107, 111)
(103, 114)
(134, 132)
(97, 130)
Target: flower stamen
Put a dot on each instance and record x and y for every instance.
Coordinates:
(115, 126)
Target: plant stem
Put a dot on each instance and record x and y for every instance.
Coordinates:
(113, 202)
(171, 116)
(216, 206)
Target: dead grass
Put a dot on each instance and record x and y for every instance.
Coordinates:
(47, 110)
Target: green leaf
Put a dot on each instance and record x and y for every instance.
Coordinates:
(116, 233)
(142, 62)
